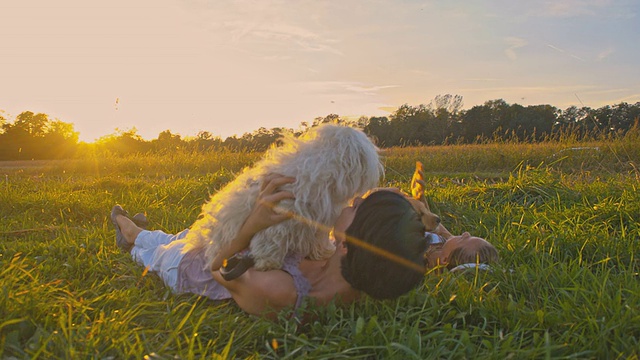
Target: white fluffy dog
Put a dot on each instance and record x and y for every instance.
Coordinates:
(330, 163)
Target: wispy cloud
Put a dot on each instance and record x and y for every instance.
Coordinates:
(532, 89)
(555, 48)
(572, 8)
(264, 25)
(513, 44)
(602, 101)
(565, 52)
(482, 79)
(633, 98)
(348, 87)
(280, 33)
(607, 91)
(604, 54)
(371, 90)
(389, 109)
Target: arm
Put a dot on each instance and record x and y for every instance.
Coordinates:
(262, 293)
(442, 231)
(261, 217)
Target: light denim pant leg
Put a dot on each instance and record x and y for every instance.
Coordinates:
(161, 253)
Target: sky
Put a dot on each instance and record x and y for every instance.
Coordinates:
(231, 67)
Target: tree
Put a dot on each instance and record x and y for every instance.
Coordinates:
(167, 141)
(573, 121)
(540, 120)
(619, 118)
(35, 136)
(61, 140)
(477, 123)
(413, 125)
(3, 121)
(359, 123)
(451, 103)
(378, 128)
(329, 119)
(124, 142)
(446, 109)
(33, 124)
(263, 138)
(63, 129)
(205, 141)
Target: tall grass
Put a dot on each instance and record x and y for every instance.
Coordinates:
(564, 215)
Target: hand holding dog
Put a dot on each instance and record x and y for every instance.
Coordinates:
(262, 216)
(264, 213)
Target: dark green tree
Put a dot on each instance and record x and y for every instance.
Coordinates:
(379, 129)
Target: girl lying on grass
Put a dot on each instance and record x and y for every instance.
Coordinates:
(381, 251)
(455, 252)
(458, 252)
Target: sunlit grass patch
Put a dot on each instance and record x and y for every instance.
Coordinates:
(564, 216)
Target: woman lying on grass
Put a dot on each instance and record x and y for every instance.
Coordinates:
(458, 252)
(380, 251)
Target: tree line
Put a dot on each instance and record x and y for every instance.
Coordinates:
(441, 121)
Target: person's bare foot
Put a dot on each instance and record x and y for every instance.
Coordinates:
(129, 229)
(126, 229)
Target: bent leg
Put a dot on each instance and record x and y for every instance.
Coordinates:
(160, 252)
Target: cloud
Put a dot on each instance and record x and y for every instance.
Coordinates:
(574, 8)
(388, 109)
(565, 52)
(555, 48)
(372, 90)
(532, 89)
(482, 79)
(607, 91)
(604, 54)
(513, 44)
(603, 101)
(265, 25)
(349, 87)
(279, 33)
(633, 98)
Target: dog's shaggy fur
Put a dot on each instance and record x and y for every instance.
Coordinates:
(330, 163)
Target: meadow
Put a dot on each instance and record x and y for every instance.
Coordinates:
(564, 215)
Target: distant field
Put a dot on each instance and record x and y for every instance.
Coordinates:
(565, 217)
(27, 164)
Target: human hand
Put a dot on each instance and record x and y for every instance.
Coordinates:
(442, 231)
(417, 182)
(262, 216)
(266, 212)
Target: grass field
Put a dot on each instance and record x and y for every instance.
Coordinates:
(565, 217)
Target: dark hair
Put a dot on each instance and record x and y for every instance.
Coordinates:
(486, 254)
(385, 247)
